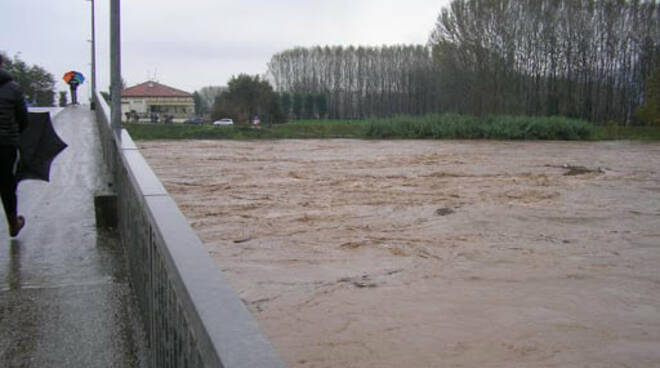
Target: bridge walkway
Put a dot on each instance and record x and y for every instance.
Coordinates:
(65, 300)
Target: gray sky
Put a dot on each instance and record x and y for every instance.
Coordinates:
(194, 43)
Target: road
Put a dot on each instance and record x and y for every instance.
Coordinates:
(64, 294)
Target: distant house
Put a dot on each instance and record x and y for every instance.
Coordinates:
(154, 101)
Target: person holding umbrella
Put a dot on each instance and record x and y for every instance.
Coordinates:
(13, 121)
(73, 79)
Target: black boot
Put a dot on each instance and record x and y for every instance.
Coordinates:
(16, 226)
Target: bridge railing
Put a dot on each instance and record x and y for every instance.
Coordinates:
(192, 317)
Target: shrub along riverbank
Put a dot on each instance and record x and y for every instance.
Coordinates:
(451, 126)
(445, 126)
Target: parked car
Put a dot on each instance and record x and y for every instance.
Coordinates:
(225, 121)
(194, 120)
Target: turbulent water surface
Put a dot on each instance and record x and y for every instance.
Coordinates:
(433, 253)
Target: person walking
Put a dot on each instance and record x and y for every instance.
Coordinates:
(13, 121)
(73, 86)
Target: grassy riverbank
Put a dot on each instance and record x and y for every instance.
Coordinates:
(445, 126)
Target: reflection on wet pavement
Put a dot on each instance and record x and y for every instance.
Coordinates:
(14, 274)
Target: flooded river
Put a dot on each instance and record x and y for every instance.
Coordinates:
(433, 253)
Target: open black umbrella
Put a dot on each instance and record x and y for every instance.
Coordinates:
(39, 144)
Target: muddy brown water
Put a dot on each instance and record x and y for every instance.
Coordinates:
(431, 253)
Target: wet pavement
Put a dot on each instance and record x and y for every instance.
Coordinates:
(64, 294)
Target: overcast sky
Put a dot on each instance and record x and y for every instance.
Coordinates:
(195, 43)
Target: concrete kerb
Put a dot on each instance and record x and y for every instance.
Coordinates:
(193, 316)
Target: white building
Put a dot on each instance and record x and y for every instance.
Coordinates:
(151, 99)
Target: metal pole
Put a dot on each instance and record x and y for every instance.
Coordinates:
(115, 65)
(93, 54)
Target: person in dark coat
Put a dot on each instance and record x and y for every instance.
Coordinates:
(73, 86)
(13, 121)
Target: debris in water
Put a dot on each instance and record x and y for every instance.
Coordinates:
(359, 282)
(351, 245)
(444, 211)
(239, 241)
(574, 170)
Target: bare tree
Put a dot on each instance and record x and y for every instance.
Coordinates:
(578, 58)
(359, 82)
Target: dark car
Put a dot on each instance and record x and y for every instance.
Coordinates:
(194, 120)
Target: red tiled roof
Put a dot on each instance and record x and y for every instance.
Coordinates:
(153, 89)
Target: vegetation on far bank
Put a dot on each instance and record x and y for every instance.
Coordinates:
(38, 84)
(292, 130)
(444, 126)
(581, 58)
(593, 60)
(452, 126)
(636, 133)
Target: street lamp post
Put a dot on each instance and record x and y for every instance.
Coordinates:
(115, 64)
(93, 76)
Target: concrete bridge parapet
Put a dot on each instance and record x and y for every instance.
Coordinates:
(192, 317)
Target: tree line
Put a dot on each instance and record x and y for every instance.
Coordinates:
(579, 58)
(247, 96)
(303, 106)
(358, 82)
(38, 85)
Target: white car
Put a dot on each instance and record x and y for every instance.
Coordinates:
(225, 121)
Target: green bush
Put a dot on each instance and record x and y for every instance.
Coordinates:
(650, 111)
(452, 126)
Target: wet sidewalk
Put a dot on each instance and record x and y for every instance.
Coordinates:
(64, 294)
